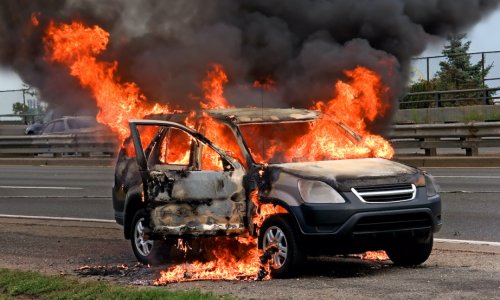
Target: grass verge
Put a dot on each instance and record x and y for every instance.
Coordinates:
(31, 285)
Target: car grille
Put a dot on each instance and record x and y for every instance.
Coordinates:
(386, 193)
(391, 223)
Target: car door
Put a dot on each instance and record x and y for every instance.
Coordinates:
(185, 194)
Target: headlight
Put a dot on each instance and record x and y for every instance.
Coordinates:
(430, 185)
(313, 191)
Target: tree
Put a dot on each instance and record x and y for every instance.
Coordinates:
(457, 72)
(19, 108)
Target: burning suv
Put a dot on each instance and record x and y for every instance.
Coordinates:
(172, 181)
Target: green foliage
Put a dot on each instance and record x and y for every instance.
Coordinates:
(35, 286)
(456, 73)
(19, 108)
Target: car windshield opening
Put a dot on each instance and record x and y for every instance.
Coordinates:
(284, 142)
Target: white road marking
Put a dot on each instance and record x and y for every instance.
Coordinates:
(451, 241)
(57, 218)
(40, 187)
(467, 242)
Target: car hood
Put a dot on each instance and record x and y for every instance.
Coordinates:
(347, 173)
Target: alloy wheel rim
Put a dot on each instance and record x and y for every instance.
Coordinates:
(143, 246)
(274, 235)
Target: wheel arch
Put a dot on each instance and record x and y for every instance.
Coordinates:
(133, 202)
(290, 217)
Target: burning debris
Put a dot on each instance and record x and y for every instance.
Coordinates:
(374, 255)
(118, 270)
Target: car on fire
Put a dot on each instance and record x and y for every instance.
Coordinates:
(172, 181)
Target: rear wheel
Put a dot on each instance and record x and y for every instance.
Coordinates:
(411, 252)
(287, 258)
(151, 252)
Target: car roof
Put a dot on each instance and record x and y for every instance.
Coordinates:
(263, 115)
(73, 117)
(247, 115)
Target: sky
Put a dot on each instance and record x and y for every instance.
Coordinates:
(484, 36)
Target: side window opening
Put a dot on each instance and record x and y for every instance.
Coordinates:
(176, 148)
(211, 160)
(58, 126)
(172, 148)
(223, 136)
(49, 128)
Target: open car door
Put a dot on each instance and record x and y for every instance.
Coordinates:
(185, 194)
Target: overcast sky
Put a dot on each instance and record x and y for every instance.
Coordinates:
(484, 37)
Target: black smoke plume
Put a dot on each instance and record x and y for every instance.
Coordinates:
(167, 46)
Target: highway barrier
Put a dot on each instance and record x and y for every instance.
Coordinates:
(58, 145)
(430, 137)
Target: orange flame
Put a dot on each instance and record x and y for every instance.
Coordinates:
(375, 255)
(213, 88)
(78, 46)
(229, 259)
(357, 104)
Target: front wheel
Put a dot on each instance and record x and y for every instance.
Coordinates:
(277, 231)
(151, 252)
(411, 252)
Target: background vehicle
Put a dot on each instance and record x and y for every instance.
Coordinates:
(71, 125)
(35, 128)
(175, 182)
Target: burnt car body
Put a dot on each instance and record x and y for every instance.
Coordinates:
(331, 207)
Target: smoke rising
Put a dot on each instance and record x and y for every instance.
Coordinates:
(167, 46)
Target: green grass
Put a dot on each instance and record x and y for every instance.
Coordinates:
(31, 285)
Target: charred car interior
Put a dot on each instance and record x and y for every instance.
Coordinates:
(172, 181)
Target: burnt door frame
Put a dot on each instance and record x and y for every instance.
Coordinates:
(171, 175)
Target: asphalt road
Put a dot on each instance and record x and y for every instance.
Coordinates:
(76, 192)
(471, 196)
(471, 210)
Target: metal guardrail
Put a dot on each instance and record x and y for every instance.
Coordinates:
(430, 137)
(483, 96)
(481, 57)
(57, 145)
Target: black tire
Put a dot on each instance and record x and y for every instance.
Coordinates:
(288, 260)
(151, 252)
(411, 252)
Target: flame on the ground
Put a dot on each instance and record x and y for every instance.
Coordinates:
(228, 259)
(374, 255)
(357, 103)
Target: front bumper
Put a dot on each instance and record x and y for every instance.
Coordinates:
(356, 218)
